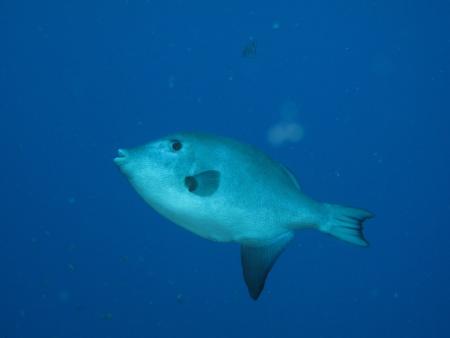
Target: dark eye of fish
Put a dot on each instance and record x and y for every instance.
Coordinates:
(176, 145)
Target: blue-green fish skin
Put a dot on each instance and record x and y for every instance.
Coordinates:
(227, 191)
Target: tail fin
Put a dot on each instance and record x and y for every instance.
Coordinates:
(346, 223)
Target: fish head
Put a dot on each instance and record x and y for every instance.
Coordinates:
(157, 170)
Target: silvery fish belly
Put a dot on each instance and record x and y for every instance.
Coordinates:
(227, 191)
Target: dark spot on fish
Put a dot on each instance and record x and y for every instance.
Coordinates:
(191, 183)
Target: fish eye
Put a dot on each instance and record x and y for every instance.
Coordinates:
(176, 145)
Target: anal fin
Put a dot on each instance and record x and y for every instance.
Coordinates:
(257, 261)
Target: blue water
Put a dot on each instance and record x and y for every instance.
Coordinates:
(368, 85)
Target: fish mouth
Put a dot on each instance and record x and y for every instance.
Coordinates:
(122, 156)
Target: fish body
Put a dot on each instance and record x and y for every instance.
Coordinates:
(227, 191)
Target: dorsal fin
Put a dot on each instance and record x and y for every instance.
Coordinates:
(291, 176)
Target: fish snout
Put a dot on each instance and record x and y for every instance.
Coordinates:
(122, 157)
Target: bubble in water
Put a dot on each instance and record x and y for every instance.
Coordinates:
(284, 132)
(287, 130)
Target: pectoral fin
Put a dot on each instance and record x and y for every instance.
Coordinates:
(257, 261)
(203, 184)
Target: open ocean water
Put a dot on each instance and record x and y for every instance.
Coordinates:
(353, 96)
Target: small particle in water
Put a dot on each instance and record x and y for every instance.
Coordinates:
(71, 200)
(180, 298)
(64, 296)
(375, 293)
(171, 81)
(71, 267)
(107, 316)
(276, 25)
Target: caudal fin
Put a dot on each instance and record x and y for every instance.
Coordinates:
(346, 223)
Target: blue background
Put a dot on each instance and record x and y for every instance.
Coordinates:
(82, 256)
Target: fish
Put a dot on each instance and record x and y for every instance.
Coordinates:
(227, 191)
(249, 50)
